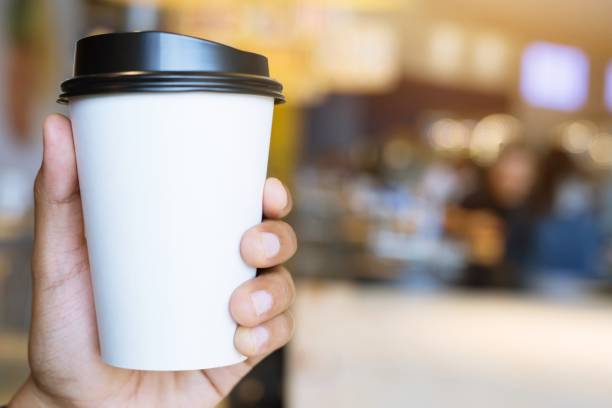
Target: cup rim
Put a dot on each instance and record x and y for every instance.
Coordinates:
(142, 81)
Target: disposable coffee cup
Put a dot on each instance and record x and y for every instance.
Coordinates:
(172, 136)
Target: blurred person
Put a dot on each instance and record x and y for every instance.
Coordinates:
(605, 218)
(495, 220)
(65, 363)
(567, 238)
(439, 184)
(444, 183)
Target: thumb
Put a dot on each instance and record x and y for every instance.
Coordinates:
(63, 340)
(59, 222)
(58, 174)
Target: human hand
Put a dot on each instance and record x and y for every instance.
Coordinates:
(66, 368)
(486, 237)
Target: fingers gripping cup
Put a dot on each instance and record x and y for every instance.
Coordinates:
(172, 135)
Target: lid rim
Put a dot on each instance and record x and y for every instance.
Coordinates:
(132, 82)
(128, 75)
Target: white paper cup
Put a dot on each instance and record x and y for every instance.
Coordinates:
(170, 181)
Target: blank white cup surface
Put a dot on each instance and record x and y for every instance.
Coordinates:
(169, 182)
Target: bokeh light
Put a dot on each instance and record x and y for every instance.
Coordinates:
(554, 76)
(447, 45)
(577, 136)
(490, 58)
(600, 150)
(491, 134)
(449, 135)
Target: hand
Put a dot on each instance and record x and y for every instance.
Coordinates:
(485, 237)
(65, 363)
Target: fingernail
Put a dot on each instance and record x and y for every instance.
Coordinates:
(278, 192)
(271, 244)
(260, 336)
(262, 301)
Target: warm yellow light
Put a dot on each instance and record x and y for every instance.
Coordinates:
(367, 5)
(446, 49)
(490, 58)
(449, 135)
(600, 150)
(358, 55)
(577, 136)
(164, 3)
(491, 134)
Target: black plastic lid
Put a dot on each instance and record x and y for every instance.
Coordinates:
(155, 61)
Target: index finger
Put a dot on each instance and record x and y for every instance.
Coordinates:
(277, 201)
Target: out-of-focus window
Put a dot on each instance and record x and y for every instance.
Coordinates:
(608, 89)
(554, 76)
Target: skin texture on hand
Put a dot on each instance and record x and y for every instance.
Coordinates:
(64, 358)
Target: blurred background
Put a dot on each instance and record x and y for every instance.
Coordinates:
(451, 164)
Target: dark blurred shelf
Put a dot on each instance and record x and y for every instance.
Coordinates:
(343, 260)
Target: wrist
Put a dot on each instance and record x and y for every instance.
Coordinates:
(29, 396)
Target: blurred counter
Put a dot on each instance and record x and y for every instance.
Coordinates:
(364, 346)
(374, 345)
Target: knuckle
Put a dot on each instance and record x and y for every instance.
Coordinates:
(287, 327)
(293, 238)
(289, 237)
(279, 282)
(287, 286)
(287, 231)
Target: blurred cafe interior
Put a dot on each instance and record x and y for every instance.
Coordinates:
(451, 165)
